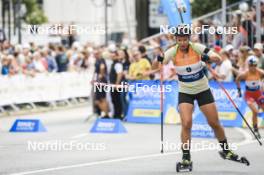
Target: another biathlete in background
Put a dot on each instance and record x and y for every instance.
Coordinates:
(253, 93)
(189, 59)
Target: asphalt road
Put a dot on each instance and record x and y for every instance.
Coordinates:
(136, 152)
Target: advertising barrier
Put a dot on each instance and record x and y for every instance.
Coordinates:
(44, 87)
(144, 104)
(113, 126)
(27, 125)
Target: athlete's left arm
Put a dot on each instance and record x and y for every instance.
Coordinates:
(213, 57)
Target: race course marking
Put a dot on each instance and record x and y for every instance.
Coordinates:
(115, 160)
(79, 136)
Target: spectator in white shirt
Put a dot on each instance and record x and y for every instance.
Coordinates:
(224, 70)
(258, 51)
(38, 64)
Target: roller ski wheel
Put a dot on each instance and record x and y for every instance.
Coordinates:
(184, 165)
(233, 157)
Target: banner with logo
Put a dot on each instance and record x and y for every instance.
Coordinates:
(144, 104)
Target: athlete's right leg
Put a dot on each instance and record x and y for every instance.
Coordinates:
(185, 106)
(186, 110)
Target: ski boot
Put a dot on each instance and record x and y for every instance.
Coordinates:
(229, 155)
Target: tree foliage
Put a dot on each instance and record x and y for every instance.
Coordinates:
(202, 7)
(34, 14)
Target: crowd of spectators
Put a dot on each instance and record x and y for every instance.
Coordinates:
(119, 63)
(30, 59)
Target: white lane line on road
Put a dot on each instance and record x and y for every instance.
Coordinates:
(94, 163)
(79, 136)
(114, 160)
(246, 134)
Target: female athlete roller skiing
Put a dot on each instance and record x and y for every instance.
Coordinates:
(193, 85)
(253, 92)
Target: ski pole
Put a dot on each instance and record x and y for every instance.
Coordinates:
(235, 106)
(161, 107)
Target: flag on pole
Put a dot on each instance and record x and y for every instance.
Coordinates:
(170, 8)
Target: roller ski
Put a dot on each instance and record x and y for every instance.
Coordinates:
(229, 155)
(184, 165)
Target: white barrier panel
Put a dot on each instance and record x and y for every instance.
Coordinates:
(44, 87)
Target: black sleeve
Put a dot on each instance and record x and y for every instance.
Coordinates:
(206, 50)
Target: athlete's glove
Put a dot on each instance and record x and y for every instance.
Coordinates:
(239, 92)
(205, 58)
(160, 58)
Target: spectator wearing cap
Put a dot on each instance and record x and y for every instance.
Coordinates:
(228, 49)
(258, 52)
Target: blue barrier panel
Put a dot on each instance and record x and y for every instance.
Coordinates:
(202, 131)
(200, 128)
(144, 102)
(108, 126)
(27, 125)
(227, 113)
